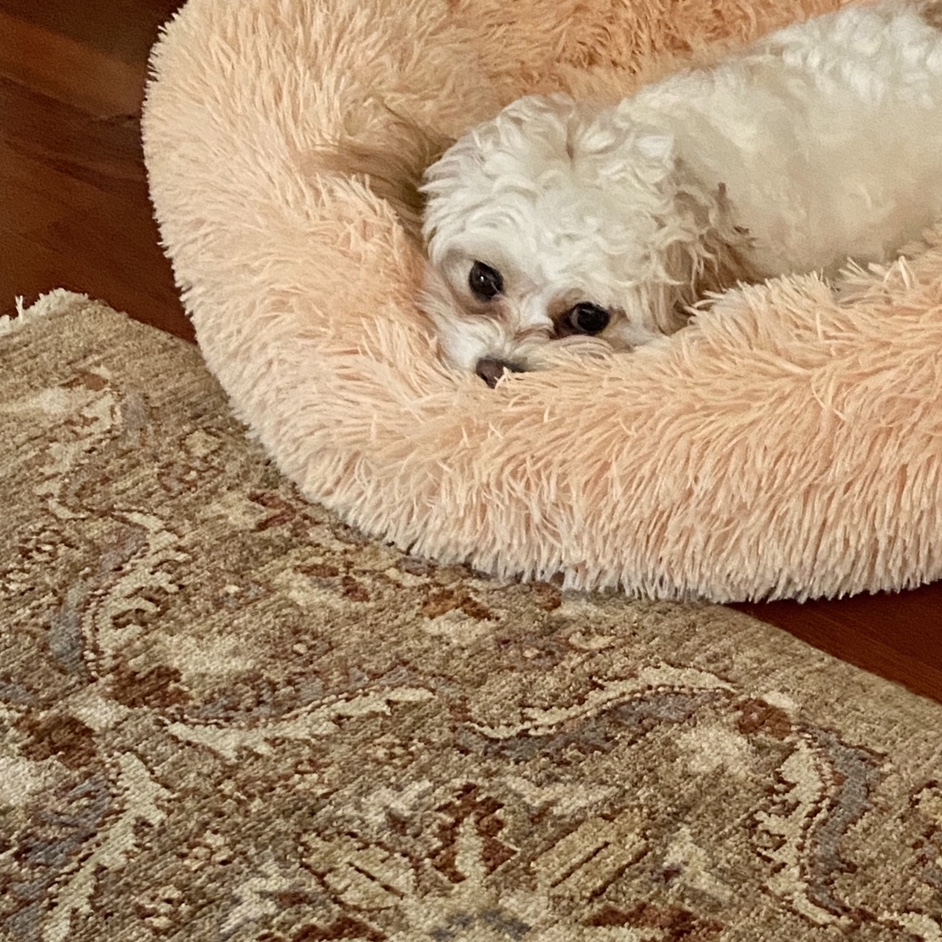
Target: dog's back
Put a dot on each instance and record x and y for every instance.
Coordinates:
(826, 136)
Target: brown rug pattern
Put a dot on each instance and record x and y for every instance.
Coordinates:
(226, 715)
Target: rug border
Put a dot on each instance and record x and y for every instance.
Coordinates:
(53, 302)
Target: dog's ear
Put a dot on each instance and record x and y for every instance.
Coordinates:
(708, 254)
(394, 169)
(726, 245)
(931, 12)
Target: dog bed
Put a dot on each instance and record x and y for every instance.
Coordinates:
(787, 444)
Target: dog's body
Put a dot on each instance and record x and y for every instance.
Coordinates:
(558, 224)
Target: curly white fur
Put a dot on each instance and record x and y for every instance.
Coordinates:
(819, 143)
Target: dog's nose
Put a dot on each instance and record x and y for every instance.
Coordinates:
(491, 369)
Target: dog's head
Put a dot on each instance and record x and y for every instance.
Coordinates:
(554, 227)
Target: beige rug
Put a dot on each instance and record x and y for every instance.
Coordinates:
(226, 715)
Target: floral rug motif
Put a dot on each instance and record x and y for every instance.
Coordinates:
(226, 715)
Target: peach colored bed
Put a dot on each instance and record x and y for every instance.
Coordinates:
(785, 445)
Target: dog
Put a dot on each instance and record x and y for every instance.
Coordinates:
(562, 227)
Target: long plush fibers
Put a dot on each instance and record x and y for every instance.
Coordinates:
(787, 444)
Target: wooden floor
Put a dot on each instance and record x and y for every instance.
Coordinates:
(74, 213)
(74, 210)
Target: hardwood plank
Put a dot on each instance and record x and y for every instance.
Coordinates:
(64, 69)
(74, 210)
(122, 29)
(103, 152)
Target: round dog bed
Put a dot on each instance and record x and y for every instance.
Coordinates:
(786, 444)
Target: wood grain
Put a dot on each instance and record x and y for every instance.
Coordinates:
(74, 209)
(74, 213)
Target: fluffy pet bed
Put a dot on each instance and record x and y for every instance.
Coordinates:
(787, 444)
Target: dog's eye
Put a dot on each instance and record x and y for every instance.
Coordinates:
(587, 318)
(485, 282)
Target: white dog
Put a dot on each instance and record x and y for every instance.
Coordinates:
(556, 224)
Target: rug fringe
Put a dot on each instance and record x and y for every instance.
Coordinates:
(50, 303)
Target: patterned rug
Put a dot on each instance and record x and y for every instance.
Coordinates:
(226, 715)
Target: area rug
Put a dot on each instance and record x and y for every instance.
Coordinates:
(226, 715)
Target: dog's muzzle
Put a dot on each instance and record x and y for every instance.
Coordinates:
(491, 369)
